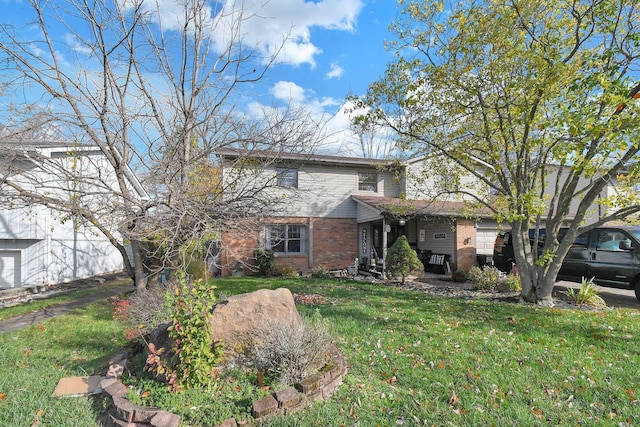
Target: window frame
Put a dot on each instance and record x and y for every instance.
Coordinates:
(287, 177)
(368, 185)
(283, 238)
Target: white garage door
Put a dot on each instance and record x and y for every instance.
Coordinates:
(485, 238)
(9, 269)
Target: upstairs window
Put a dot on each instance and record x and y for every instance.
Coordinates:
(287, 238)
(287, 177)
(368, 181)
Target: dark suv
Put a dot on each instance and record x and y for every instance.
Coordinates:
(611, 255)
(503, 256)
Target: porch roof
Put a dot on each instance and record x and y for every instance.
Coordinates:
(395, 207)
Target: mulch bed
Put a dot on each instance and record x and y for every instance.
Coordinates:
(445, 287)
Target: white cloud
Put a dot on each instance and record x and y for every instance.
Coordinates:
(170, 13)
(339, 137)
(288, 91)
(73, 42)
(36, 50)
(281, 27)
(336, 72)
(341, 140)
(286, 25)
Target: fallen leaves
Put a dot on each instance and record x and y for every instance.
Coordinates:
(454, 398)
(539, 413)
(471, 378)
(631, 393)
(308, 299)
(36, 422)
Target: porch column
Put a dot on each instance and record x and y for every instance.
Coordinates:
(385, 227)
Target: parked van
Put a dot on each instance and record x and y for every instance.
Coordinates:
(503, 257)
(611, 255)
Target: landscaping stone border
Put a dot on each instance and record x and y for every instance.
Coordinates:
(123, 413)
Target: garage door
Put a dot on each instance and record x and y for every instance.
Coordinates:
(9, 269)
(485, 238)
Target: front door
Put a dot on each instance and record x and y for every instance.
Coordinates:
(376, 241)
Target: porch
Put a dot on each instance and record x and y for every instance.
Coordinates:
(440, 234)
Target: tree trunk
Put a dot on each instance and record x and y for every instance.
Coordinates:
(544, 292)
(139, 278)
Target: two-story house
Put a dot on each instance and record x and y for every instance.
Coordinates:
(40, 245)
(340, 209)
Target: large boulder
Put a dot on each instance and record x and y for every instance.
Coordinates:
(234, 319)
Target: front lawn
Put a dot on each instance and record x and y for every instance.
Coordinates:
(413, 360)
(33, 360)
(420, 360)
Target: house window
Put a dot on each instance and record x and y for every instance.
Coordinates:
(368, 181)
(287, 177)
(287, 238)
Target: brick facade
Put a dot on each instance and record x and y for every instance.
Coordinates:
(335, 242)
(238, 244)
(465, 244)
(332, 241)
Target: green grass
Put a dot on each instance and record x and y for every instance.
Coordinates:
(40, 304)
(34, 359)
(420, 360)
(413, 360)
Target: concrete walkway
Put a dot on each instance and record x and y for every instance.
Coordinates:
(33, 318)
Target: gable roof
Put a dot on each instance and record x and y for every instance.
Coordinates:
(232, 153)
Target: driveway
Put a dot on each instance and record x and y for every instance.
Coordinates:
(623, 298)
(102, 293)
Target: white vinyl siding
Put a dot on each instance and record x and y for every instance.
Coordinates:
(323, 190)
(366, 213)
(424, 184)
(433, 242)
(48, 247)
(25, 223)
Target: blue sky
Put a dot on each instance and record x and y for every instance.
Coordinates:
(335, 48)
(348, 59)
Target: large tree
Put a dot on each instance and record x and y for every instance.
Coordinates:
(535, 99)
(158, 96)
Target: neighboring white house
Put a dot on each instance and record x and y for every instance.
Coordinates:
(40, 245)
